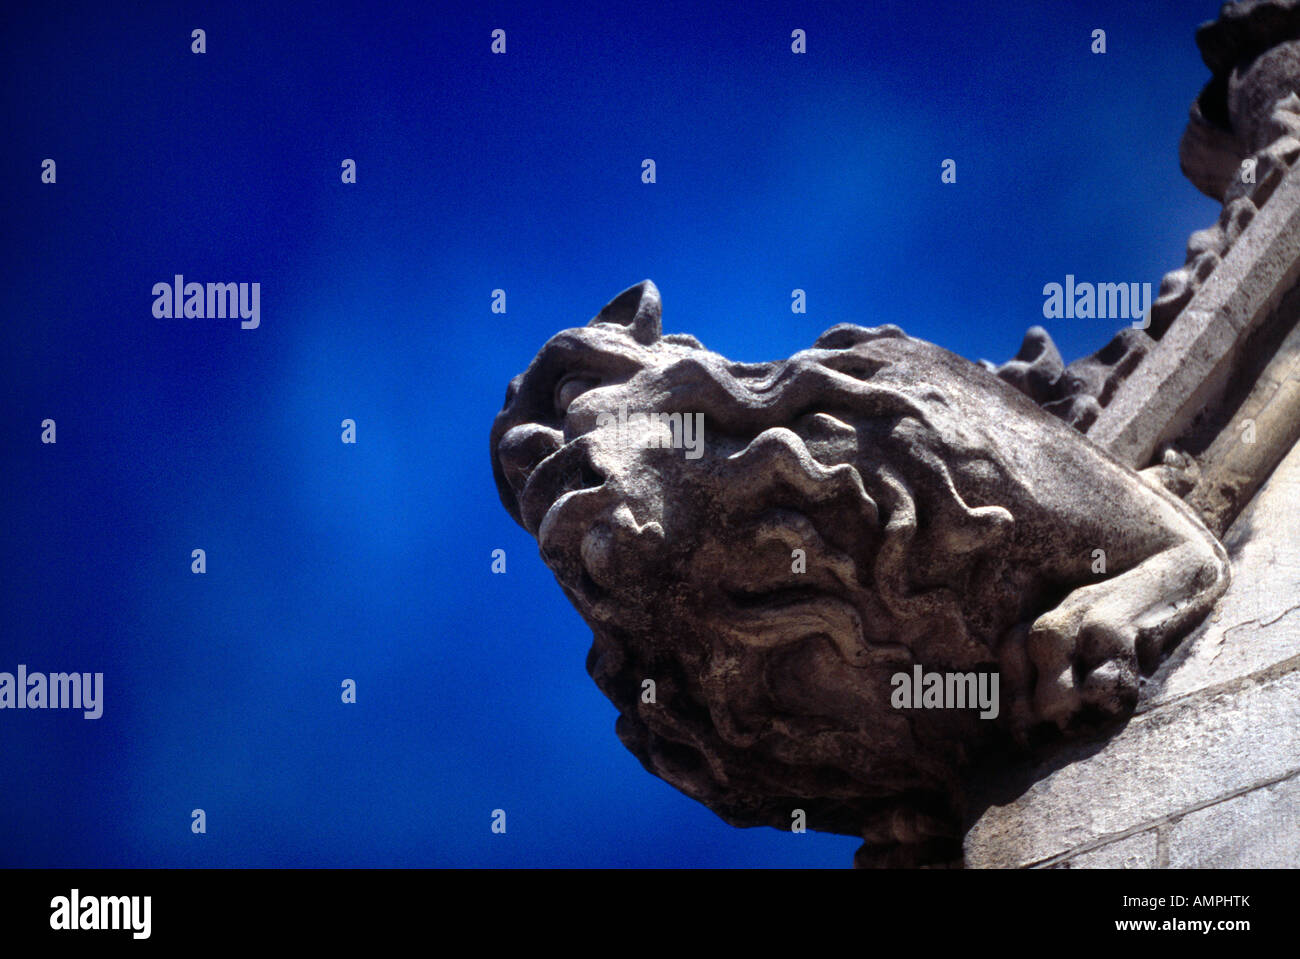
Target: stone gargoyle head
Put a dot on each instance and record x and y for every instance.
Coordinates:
(768, 553)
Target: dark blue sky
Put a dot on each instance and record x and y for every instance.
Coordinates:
(474, 172)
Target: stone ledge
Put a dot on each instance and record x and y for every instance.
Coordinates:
(1168, 762)
(1257, 830)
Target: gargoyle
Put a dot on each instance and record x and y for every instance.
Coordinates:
(870, 505)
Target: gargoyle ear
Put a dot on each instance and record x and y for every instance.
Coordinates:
(638, 308)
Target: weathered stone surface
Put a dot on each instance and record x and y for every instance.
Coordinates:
(1134, 852)
(1257, 623)
(1254, 61)
(1257, 830)
(799, 532)
(1263, 425)
(1166, 763)
(1217, 721)
(1075, 393)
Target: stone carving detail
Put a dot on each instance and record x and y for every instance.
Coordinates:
(1241, 198)
(868, 506)
(1075, 393)
(1249, 111)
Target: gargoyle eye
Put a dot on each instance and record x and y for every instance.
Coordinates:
(570, 389)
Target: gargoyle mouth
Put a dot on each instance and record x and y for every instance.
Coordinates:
(567, 470)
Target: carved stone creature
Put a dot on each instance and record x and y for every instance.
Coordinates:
(869, 505)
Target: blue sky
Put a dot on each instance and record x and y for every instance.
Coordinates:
(475, 172)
